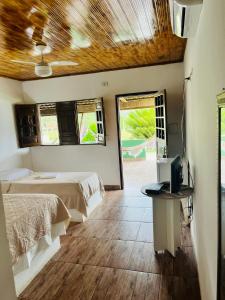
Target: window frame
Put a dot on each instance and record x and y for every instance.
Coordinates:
(97, 122)
(38, 104)
(39, 117)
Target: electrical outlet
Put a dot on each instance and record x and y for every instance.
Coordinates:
(105, 83)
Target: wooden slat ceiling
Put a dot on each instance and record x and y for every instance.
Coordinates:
(97, 34)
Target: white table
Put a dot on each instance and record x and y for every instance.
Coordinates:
(166, 219)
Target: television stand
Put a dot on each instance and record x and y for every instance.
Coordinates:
(166, 218)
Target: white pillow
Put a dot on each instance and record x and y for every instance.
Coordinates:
(14, 174)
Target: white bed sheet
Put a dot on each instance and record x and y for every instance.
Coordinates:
(74, 188)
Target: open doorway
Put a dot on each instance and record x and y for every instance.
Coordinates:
(141, 137)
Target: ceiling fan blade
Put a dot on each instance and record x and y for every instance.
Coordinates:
(23, 62)
(63, 63)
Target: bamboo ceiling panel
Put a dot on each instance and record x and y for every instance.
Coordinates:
(97, 34)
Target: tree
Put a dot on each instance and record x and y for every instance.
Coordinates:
(91, 133)
(140, 123)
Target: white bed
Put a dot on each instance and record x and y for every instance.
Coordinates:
(81, 192)
(31, 263)
(33, 225)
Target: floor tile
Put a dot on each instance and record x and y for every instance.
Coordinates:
(185, 263)
(105, 212)
(116, 285)
(144, 259)
(83, 251)
(146, 287)
(95, 229)
(131, 192)
(118, 254)
(49, 279)
(148, 215)
(133, 214)
(130, 201)
(127, 231)
(97, 252)
(145, 233)
(136, 201)
(177, 288)
(107, 229)
(111, 256)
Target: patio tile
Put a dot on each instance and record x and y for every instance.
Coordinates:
(139, 172)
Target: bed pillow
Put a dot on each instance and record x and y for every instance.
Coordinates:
(14, 174)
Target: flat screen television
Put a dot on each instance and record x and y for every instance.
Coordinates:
(176, 176)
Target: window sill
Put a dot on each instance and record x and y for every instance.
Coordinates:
(96, 144)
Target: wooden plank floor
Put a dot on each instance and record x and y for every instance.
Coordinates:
(111, 256)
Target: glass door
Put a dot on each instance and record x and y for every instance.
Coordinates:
(161, 125)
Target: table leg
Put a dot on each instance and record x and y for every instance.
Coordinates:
(173, 225)
(159, 224)
(166, 224)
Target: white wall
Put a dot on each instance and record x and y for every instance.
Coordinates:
(104, 160)
(206, 55)
(10, 155)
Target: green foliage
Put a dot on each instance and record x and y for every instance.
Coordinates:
(139, 123)
(88, 127)
(90, 135)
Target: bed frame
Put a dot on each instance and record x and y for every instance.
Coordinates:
(39, 256)
(93, 202)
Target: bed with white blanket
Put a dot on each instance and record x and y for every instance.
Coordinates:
(81, 192)
(33, 225)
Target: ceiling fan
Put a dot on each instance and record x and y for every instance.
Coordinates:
(43, 68)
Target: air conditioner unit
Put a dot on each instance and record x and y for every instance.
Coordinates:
(185, 16)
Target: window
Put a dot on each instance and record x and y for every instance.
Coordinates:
(87, 121)
(87, 128)
(61, 123)
(90, 120)
(48, 124)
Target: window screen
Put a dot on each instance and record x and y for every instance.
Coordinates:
(91, 121)
(48, 124)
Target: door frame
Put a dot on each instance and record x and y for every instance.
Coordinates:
(118, 129)
(220, 105)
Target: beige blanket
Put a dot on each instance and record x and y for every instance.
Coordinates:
(29, 218)
(74, 188)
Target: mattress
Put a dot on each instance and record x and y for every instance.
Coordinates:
(30, 218)
(74, 188)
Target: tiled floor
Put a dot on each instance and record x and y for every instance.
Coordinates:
(111, 256)
(140, 172)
